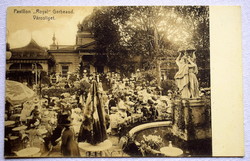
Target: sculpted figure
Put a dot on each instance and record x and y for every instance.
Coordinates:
(185, 78)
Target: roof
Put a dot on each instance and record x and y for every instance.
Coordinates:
(89, 47)
(32, 46)
(63, 49)
(85, 34)
(30, 51)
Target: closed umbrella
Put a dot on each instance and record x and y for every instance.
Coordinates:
(93, 128)
(17, 93)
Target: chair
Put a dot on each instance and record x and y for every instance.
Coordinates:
(119, 147)
(24, 142)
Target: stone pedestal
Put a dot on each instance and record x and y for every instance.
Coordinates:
(192, 123)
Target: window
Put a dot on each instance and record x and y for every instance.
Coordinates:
(65, 70)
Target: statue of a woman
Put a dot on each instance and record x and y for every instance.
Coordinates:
(185, 78)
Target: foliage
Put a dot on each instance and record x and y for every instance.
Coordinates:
(152, 141)
(168, 85)
(148, 75)
(197, 20)
(124, 32)
(56, 92)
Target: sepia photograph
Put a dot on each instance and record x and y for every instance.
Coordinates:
(108, 81)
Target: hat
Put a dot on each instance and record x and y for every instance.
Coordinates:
(114, 108)
(154, 98)
(150, 101)
(66, 123)
(56, 108)
(169, 91)
(122, 108)
(16, 106)
(46, 113)
(35, 100)
(78, 110)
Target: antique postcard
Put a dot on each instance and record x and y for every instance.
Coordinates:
(119, 81)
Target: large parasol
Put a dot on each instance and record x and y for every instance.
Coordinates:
(93, 128)
(17, 93)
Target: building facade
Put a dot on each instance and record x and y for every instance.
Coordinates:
(79, 57)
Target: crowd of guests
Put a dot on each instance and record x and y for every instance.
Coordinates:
(44, 124)
(53, 120)
(130, 102)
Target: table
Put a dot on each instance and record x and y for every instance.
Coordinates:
(171, 151)
(8, 123)
(103, 146)
(16, 115)
(29, 117)
(28, 152)
(19, 128)
(13, 137)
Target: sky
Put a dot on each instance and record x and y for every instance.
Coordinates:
(22, 26)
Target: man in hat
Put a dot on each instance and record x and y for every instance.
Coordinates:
(112, 102)
(69, 146)
(58, 130)
(145, 111)
(152, 110)
(35, 111)
(52, 103)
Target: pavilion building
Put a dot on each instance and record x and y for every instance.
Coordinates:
(28, 63)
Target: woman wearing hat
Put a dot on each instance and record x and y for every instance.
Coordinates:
(69, 147)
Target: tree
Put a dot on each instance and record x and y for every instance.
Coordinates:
(197, 20)
(149, 32)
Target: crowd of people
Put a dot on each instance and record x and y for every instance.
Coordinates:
(54, 118)
(48, 120)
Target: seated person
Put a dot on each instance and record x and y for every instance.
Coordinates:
(35, 110)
